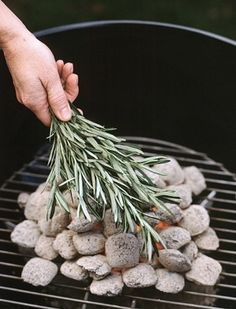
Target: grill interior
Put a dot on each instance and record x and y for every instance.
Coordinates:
(65, 293)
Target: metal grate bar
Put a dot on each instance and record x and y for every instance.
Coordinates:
(224, 182)
(27, 183)
(9, 210)
(9, 200)
(229, 211)
(223, 220)
(7, 301)
(173, 302)
(76, 300)
(228, 286)
(224, 230)
(222, 200)
(228, 274)
(214, 172)
(13, 253)
(211, 295)
(11, 264)
(220, 190)
(3, 189)
(30, 174)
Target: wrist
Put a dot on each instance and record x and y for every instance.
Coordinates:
(9, 36)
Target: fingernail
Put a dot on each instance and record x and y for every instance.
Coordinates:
(65, 113)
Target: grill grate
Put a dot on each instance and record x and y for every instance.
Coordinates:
(65, 293)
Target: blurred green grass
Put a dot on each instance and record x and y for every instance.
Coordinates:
(218, 16)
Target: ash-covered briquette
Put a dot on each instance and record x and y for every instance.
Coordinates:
(174, 260)
(26, 234)
(44, 248)
(122, 250)
(190, 250)
(171, 172)
(72, 270)
(112, 257)
(36, 202)
(23, 199)
(71, 199)
(96, 265)
(196, 220)
(204, 271)
(64, 245)
(155, 178)
(184, 193)
(53, 226)
(81, 225)
(175, 237)
(169, 282)
(89, 243)
(195, 179)
(38, 271)
(140, 276)
(112, 285)
(174, 215)
(208, 240)
(109, 225)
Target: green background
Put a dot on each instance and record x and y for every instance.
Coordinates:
(217, 16)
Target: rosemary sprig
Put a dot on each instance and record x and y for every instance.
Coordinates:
(96, 166)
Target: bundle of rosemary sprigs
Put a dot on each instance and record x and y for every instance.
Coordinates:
(100, 172)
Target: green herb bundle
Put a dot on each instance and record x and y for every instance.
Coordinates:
(100, 171)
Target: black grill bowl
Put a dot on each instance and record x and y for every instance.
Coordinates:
(146, 79)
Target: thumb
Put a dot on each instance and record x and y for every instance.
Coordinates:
(58, 101)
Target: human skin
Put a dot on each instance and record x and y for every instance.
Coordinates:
(41, 83)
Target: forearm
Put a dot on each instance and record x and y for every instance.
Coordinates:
(10, 26)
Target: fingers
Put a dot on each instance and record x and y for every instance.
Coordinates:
(71, 87)
(60, 65)
(67, 70)
(57, 100)
(69, 79)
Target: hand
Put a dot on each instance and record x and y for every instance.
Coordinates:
(41, 82)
